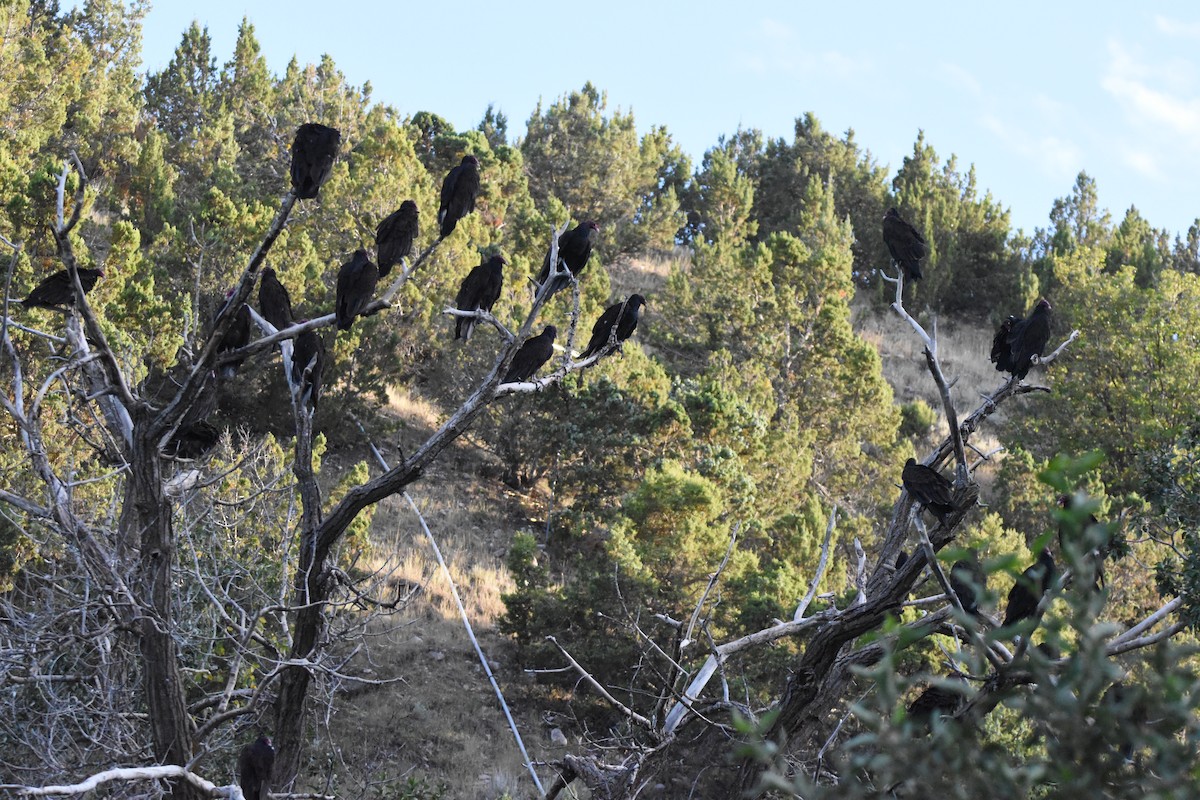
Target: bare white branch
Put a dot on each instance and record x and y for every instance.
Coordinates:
(128, 774)
(822, 563)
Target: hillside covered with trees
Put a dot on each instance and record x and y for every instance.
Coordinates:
(710, 580)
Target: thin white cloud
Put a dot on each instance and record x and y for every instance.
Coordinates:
(957, 76)
(774, 49)
(775, 30)
(1177, 28)
(1137, 87)
(1054, 156)
(1143, 163)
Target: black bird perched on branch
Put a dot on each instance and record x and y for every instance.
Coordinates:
(313, 151)
(459, 191)
(905, 243)
(1027, 592)
(273, 301)
(308, 356)
(969, 582)
(59, 290)
(355, 287)
(195, 435)
(936, 699)
(395, 235)
(574, 250)
(1000, 355)
(533, 354)
(479, 291)
(255, 762)
(623, 316)
(1025, 339)
(929, 488)
(237, 336)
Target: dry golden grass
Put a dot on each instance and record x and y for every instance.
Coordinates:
(412, 408)
(442, 722)
(645, 275)
(963, 350)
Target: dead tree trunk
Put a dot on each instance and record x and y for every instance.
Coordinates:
(147, 518)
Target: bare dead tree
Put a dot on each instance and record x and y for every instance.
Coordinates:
(152, 587)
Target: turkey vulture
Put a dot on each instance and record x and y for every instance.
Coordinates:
(969, 582)
(479, 290)
(529, 359)
(355, 288)
(59, 290)
(1026, 338)
(192, 440)
(313, 151)
(255, 763)
(237, 335)
(309, 350)
(905, 243)
(394, 236)
(623, 316)
(1027, 592)
(195, 435)
(273, 301)
(929, 488)
(935, 700)
(1001, 355)
(459, 190)
(574, 250)
(1126, 707)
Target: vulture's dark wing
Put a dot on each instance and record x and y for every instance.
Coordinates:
(355, 287)
(574, 251)
(479, 290)
(1027, 592)
(602, 330)
(308, 356)
(935, 700)
(273, 301)
(395, 236)
(58, 290)
(459, 190)
(533, 354)
(928, 487)
(1028, 338)
(1001, 354)
(623, 316)
(969, 582)
(255, 763)
(313, 151)
(237, 336)
(905, 243)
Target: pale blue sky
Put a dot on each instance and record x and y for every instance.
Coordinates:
(1030, 92)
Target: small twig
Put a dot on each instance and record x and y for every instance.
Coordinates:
(712, 581)
(583, 673)
(833, 736)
